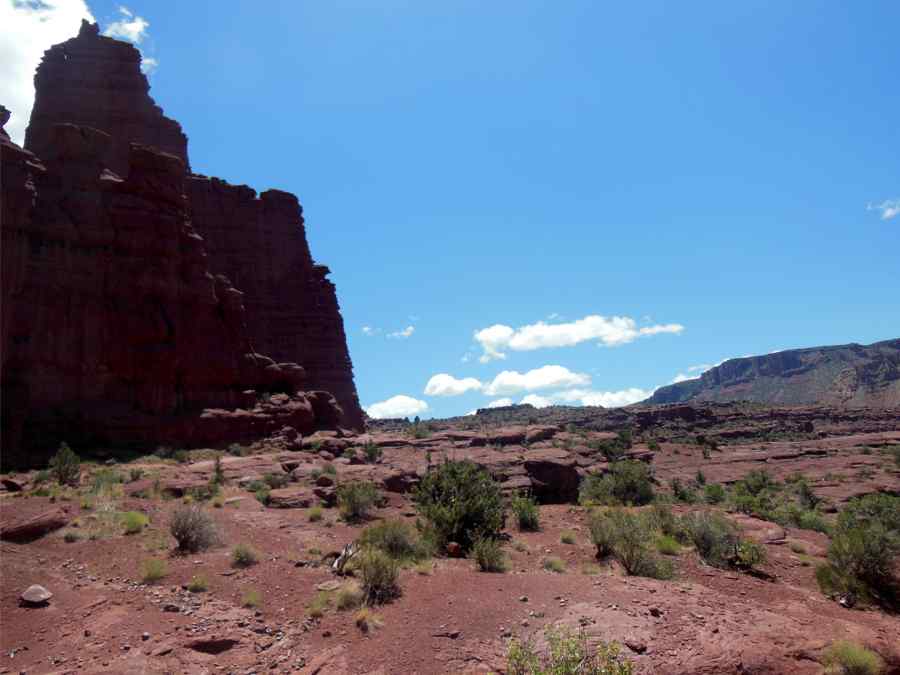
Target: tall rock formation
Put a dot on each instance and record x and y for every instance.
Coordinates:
(120, 321)
(852, 375)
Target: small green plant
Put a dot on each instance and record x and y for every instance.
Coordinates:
(461, 502)
(367, 620)
(319, 605)
(276, 480)
(849, 658)
(193, 529)
(315, 514)
(135, 474)
(251, 598)
(134, 522)
(526, 512)
(71, 536)
(682, 492)
(568, 654)
(42, 476)
(400, 540)
(349, 596)
(555, 565)
(653, 445)
(373, 452)
(627, 482)
(713, 493)
(378, 573)
(198, 584)
(568, 537)
(356, 499)
(181, 456)
(329, 469)
(65, 466)
(243, 555)
(153, 569)
(218, 475)
(488, 555)
(667, 545)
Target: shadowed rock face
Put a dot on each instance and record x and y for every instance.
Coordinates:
(851, 375)
(119, 324)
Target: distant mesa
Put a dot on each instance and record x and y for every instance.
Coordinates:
(143, 303)
(853, 375)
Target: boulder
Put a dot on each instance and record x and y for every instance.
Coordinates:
(35, 596)
(35, 527)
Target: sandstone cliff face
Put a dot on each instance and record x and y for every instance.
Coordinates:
(119, 324)
(848, 375)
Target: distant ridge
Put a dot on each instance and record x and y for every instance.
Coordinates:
(849, 375)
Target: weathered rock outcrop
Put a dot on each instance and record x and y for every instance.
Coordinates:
(848, 375)
(119, 325)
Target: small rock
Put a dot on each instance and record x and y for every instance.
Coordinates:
(454, 550)
(145, 636)
(636, 646)
(524, 598)
(35, 596)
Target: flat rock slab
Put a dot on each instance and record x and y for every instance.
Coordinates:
(35, 527)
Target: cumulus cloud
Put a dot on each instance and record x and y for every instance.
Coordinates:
(368, 330)
(397, 406)
(443, 384)
(402, 334)
(29, 29)
(546, 377)
(889, 208)
(607, 399)
(129, 27)
(499, 403)
(607, 331)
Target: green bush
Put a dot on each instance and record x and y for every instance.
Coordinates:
(378, 573)
(135, 474)
(667, 545)
(568, 654)
(660, 517)
(42, 476)
(568, 537)
(153, 570)
(632, 538)
(556, 565)
(682, 492)
(251, 598)
(244, 556)
(218, 475)
(488, 555)
(65, 466)
(461, 502)
(627, 482)
(356, 499)
(276, 480)
(349, 596)
(715, 537)
(398, 539)
(193, 529)
(848, 658)
(526, 512)
(198, 584)
(603, 532)
(372, 451)
(713, 493)
(315, 514)
(134, 522)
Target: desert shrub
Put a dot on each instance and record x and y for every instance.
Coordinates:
(526, 512)
(667, 545)
(218, 475)
(603, 532)
(568, 537)
(71, 536)
(653, 445)
(243, 555)
(627, 482)
(614, 449)
(261, 494)
(135, 474)
(356, 499)
(153, 569)
(65, 466)
(276, 480)
(237, 450)
(349, 596)
(714, 537)
(372, 451)
(682, 492)
(42, 476)
(488, 555)
(756, 481)
(632, 537)
(398, 539)
(873, 508)
(181, 456)
(568, 654)
(251, 598)
(134, 522)
(556, 565)
(193, 529)
(329, 469)
(461, 502)
(660, 517)
(319, 605)
(849, 658)
(713, 493)
(378, 573)
(198, 584)
(315, 514)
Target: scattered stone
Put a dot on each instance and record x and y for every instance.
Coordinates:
(35, 596)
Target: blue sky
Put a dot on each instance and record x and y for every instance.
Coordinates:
(725, 172)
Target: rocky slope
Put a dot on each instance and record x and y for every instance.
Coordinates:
(119, 324)
(848, 375)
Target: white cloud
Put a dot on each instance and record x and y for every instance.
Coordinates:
(397, 406)
(546, 377)
(368, 330)
(607, 399)
(681, 377)
(148, 64)
(130, 27)
(402, 334)
(30, 28)
(499, 403)
(607, 331)
(443, 384)
(890, 208)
